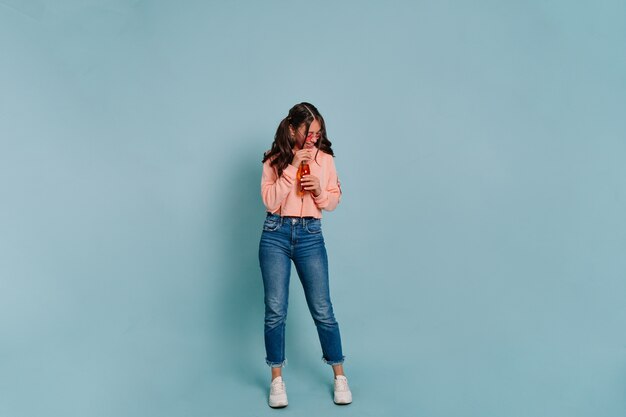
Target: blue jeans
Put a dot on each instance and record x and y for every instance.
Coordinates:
(300, 240)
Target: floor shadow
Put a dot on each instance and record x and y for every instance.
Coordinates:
(238, 312)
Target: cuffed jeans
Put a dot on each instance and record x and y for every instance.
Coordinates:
(300, 240)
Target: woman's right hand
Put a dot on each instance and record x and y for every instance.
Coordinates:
(303, 155)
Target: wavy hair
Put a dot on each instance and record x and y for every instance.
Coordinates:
(281, 154)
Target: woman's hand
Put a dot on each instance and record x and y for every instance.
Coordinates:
(311, 183)
(303, 155)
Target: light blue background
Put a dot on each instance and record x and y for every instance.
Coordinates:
(477, 258)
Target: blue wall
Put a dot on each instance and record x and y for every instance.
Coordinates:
(477, 258)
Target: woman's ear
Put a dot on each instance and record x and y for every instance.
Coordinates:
(292, 132)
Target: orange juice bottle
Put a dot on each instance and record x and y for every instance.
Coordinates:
(302, 170)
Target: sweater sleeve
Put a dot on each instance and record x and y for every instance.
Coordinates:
(274, 189)
(331, 192)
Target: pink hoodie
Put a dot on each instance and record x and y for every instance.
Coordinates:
(280, 196)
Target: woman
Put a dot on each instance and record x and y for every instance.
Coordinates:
(295, 197)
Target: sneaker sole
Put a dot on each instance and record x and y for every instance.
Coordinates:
(342, 403)
(278, 403)
(339, 400)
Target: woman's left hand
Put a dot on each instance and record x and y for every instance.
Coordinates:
(311, 183)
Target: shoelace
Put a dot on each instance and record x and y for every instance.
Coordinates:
(341, 385)
(278, 387)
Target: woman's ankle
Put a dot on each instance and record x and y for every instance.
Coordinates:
(276, 374)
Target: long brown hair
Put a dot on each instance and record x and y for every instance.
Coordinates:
(280, 155)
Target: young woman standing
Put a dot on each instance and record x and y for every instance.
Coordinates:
(299, 181)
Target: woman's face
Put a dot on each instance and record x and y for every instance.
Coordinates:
(315, 131)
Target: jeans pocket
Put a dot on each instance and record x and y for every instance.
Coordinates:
(314, 226)
(271, 224)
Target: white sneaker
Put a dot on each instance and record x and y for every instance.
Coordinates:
(342, 390)
(278, 393)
